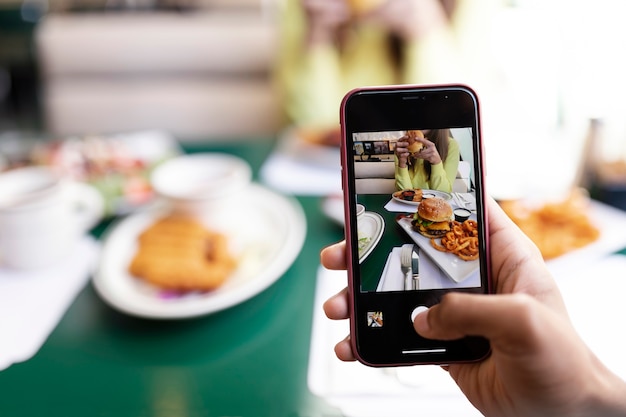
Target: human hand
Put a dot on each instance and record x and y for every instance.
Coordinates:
(402, 151)
(428, 152)
(324, 19)
(538, 365)
(409, 19)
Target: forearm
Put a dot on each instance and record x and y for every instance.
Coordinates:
(608, 394)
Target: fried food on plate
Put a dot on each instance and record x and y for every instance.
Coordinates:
(462, 240)
(414, 195)
(555, 227)
(180, 253)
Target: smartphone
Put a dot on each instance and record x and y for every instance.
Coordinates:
(414, 198)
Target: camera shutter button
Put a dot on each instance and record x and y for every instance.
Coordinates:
(416, 311)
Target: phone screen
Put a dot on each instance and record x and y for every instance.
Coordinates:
(415, 216)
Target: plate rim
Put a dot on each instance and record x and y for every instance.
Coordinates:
(290, 248)
(447, 195)
(379, 233)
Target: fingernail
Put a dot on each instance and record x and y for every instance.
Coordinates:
(420, 321)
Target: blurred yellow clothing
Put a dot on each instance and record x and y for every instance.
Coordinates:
(442, 175)
(312, 81)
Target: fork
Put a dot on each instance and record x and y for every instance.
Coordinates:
(406, 265)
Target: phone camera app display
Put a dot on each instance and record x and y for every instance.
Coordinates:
(419, 230)
(375, 319)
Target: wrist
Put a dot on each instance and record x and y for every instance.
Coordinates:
(608, 394)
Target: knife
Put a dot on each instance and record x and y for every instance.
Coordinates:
(415, 267)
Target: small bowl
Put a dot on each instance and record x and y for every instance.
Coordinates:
(461, 214)
(407, 195)
(199, 182)
(360, 209)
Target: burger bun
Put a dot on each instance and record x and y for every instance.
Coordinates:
(361, 7)
(433, 217)
(415, 134)
(415, 147)
(435, 209)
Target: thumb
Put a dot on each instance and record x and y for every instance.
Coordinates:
(506, 319)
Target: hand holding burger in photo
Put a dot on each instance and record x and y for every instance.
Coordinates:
(410, 145)
(433, 217)
(415, 145)
(362, 7)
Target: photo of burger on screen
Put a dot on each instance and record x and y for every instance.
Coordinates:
(433, 217)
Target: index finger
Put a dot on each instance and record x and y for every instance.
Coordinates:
(334, 256)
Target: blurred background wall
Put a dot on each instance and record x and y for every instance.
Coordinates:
(202, 68)
(197, 68)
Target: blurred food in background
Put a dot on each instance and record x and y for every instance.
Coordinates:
(320, 136)
(118, 166)
(556, 227)
(181, 254)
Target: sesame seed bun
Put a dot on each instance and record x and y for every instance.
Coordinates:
(415, 147)
(435, 209)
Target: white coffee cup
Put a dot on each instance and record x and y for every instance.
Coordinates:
(43, 216)
(201, 184)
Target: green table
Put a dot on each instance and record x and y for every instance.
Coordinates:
(249, 360)
(393, 236)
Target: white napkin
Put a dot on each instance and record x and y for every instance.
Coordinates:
(291, 176)
(466, 200)
(396, 206)
(392, 278)
(361, 391)
(32, 302)
(431, 277)
(297, 168)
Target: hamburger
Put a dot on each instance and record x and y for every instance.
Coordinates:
(415, 134)
(361, 7)
(433, 217)
(416, 146)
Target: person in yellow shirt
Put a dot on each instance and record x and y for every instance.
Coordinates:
(329, 47)
(434, 166)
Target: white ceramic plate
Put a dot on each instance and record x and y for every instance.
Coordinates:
(266, 236)
(332, 206)
(370, 228)
(453, 266)
(433, 193)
